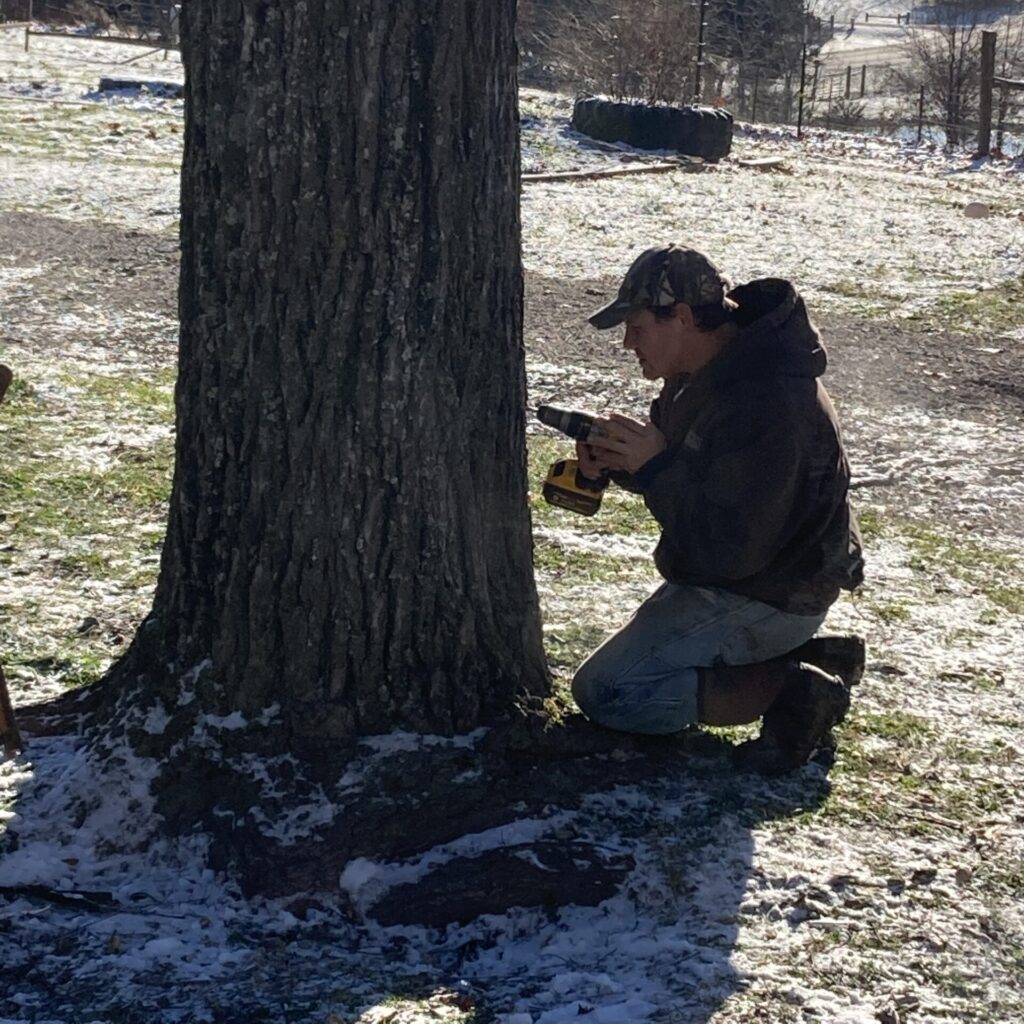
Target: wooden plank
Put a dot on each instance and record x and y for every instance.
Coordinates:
(763, 163)
(615, 172)
(152, 44)
(9, 734)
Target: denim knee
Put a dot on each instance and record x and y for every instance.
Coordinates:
(591, 692)
(633, 701)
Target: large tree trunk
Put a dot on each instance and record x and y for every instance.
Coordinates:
(349, 536)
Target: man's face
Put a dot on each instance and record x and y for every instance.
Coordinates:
(660, 345)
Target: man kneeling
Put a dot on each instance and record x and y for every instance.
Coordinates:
(742, 465)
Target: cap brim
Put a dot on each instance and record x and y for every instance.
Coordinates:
(611, 315)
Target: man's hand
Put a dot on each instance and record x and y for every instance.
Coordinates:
(626, 444)
(591, 466)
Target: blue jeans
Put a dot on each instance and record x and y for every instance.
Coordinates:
(644, 677)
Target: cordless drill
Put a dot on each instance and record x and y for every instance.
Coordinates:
(565, 486)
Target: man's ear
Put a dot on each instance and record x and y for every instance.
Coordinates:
(684, 314)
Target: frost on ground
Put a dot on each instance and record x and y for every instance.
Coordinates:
(894, 896)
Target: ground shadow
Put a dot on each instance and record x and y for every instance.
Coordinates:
(174, 943)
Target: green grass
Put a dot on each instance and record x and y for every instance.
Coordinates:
(585, 566)
(82, 518)
(891, 611)
(98, 131)
(871, 523)
(850, 289)
(990, 312)
(987, 313)
(898, 770)
(153, 395)
(871, 760)
(989, 571)
(993, 311)
(55, 497)
(942, 555)
(1010, 599)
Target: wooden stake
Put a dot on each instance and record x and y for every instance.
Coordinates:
(9, 734)
(988, 74)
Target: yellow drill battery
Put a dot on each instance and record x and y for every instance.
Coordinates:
(566, 487)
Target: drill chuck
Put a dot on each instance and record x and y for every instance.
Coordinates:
(576, 424)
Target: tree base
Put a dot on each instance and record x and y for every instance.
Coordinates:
(401, 804)
(282, 826)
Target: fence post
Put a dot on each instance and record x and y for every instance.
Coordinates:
(849, 79)
(757, 82)
(828, 112)
(803, 84)
(1001, 123)
(700, 51)
(863, 79)
(28, 25)
(988, 73)
(920, 116)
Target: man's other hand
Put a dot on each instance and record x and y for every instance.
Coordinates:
(627, 444)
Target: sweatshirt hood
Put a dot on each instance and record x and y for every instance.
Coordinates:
(776, 339)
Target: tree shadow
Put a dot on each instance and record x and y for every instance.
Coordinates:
(658, 944)
(489, 840)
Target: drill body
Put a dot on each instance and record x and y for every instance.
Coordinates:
(566, 487)
(577, 425)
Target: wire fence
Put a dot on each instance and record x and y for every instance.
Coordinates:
(129, 21)
(885, 98)
(51, 66)
(875, 97)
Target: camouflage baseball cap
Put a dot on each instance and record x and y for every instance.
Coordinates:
(661, 277)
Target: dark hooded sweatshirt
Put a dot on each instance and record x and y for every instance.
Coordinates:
(752, 492)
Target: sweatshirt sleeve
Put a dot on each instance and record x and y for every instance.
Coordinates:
(628, 481)
(727, 512)
(625, 480)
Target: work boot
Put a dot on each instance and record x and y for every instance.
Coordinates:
(841, 656)
(797, 724)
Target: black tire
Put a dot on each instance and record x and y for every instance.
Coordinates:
(696, 131)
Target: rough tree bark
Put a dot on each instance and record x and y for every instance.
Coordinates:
(349, 537)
